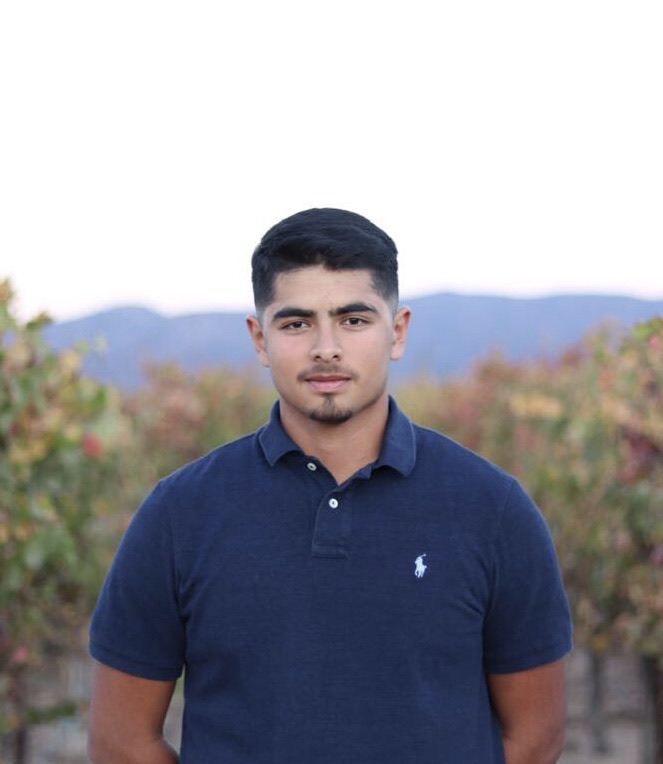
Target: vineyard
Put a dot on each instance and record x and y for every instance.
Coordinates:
(583, 433)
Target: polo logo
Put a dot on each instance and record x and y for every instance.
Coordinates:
(419, 567)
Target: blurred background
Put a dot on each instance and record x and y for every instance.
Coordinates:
(513, 152)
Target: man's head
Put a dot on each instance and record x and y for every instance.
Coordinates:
(328, 323)
(336, 239)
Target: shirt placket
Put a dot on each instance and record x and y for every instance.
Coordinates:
(329, 531)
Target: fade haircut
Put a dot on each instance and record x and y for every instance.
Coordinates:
(336, 239)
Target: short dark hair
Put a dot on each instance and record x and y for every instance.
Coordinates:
(336, 239)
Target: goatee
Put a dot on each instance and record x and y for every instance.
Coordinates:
(330, 413)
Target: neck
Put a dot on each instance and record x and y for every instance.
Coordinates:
(343, 448)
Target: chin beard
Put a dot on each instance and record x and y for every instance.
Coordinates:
(329, 413)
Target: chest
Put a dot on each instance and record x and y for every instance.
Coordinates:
(337, 571)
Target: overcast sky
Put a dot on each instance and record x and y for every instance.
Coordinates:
(508, 147)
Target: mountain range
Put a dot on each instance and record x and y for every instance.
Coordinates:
(449, 332)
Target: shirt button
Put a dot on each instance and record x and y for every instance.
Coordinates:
(313, 467)
(333, 503)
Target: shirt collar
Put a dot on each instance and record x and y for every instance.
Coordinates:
(398, 446)
(274, 440)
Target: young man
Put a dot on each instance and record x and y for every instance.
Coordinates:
(342, 586)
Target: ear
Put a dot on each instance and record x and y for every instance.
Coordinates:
(258, 338)
(401, 324)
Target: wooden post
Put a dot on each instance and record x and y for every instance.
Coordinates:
(597, 721)
(653, 728)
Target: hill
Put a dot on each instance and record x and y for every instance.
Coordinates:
(449, 333)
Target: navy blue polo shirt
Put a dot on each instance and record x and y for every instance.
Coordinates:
(319, 623)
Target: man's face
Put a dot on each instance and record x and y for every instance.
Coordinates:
(328, 338)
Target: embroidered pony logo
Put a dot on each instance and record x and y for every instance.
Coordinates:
(419, 567)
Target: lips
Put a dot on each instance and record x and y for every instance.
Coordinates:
(327, 383)
(326, 379)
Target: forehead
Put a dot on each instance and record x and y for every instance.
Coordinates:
(316, 283)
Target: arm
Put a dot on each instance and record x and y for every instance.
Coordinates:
(126, 719)
(530, 706)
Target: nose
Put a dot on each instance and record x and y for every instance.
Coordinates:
(326, 347)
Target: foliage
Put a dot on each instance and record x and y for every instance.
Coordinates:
(585, 436)
(180, 416)
(58, 433)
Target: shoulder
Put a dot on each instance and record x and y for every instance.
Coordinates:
(480, 492)
(219, 463)
(193, 488)
(438, 454)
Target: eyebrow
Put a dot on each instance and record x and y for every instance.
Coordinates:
(342, 310)
(354, 307)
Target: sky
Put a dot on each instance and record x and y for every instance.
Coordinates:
(509, 148)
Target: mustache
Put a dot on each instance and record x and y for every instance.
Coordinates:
(327, 370)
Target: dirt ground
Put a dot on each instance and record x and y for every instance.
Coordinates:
(64, 741)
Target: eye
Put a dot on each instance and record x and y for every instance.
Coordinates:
(294, 326)
(355, 321)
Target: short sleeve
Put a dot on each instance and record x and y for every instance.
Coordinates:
(528, 622)
(136, 626)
